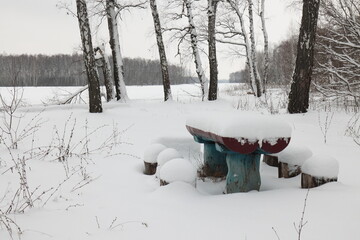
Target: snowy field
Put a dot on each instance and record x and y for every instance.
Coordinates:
(83, 175)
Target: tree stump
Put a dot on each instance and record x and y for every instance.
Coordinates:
(271, 160)
(308, 181)
(150, 168)
(286, 170)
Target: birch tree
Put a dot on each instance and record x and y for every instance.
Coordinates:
(231, 35)
(266, 45)
(213, 65)
(95, 105)
(195, 49)
(161, 48)
(116, 51)
(300, 87)
(258, 82)
(106, 69)
(338, 58)
(187, 37)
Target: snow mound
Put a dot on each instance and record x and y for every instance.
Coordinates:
(166, 155)
(178, 169)
(152, 151)
(295, 154)
(239, 124)
(321, 166)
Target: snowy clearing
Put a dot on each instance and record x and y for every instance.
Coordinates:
(94, 186)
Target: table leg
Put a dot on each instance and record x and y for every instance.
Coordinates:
(243, 174)
(214, 161)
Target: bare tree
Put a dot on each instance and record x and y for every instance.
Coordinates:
(187, 36)
(255, 69)
(338, 57)
(95, 105)
(195, 48)
(300, 87)
(106, 69)
(116, 51)
(161, 48)
(213, 65)
(266, 46)
(242, 38)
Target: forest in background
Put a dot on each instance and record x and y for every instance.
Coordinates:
(69, 70)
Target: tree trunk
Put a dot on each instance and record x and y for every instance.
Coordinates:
(300, 87)
(116, 51)
(255, 70)
(160, 43)
(266, 46)
(249, 61)
(195, 49)
(106, 68)
(89, 58)
(212, 7)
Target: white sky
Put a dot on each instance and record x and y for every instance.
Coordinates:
(38, 26)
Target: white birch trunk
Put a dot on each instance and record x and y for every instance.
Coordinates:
(196, 54)
(266, 46)
(255, 70)
(106, 68)
(247, 45)
(116, 52)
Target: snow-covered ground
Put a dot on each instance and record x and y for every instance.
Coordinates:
(105, 195)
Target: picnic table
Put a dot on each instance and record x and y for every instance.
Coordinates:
(234, 142)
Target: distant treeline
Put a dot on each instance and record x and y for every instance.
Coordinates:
(281, 67)
(68, 70)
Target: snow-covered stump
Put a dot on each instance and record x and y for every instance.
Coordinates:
(150, 158)
(291, 160)
(271, 160)
(178, 169)
(165, 156)
(318, 170)
(214, 161)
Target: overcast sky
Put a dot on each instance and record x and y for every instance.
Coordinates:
(39, 26)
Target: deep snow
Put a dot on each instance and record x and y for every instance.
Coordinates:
(123, 203)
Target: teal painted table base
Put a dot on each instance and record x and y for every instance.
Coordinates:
(243, 174)
(214, 161)
(241, 170)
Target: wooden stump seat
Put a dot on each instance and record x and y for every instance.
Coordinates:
(318, 170)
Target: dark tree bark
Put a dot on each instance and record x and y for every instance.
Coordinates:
(300, 87)
(212, 7)
(89, 58)
(160, 44)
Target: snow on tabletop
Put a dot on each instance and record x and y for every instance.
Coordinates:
(152, 151)
(321, 166)
(253, 126)
(178, 169)
(166, 155)
(295, 154)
